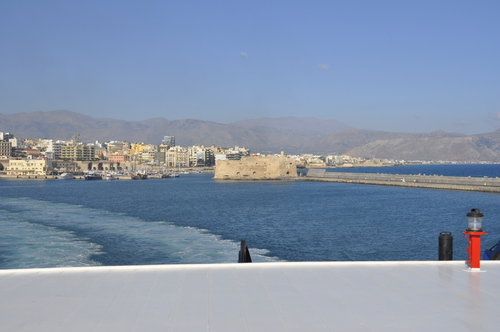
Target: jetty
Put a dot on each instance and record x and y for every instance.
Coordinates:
(481, 184)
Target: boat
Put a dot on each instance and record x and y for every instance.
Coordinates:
(66, 176)
(138, 176)
(93, 176)
(109, 177)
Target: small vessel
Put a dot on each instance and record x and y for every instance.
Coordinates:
(138, 176)
(109, 177)
(93, 176)
(66, 176)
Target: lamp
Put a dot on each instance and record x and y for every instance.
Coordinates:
(473, 236)
(475, 221)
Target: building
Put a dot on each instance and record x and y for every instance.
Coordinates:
(78, 152)
(256, 168)
(27, 167)
(105, 166)
(177, 157)
(119, 158)
(4, 137)
(136, 151)
(117, 147)
(5, 149)
(32, 153)
(148, 156)
(200, 156)
(17, 143)
(65, 166)
(168, 140)
(52, 148)
(159, 157)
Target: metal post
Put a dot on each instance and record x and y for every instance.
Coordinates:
(474, 249)
(244, 255)
(473, 235)
(445, 246)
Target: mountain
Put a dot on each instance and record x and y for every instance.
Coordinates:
(309, 125)
(350, 139)
(289, 134)
(467, 148)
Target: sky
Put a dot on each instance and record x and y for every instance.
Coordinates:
(400, 66)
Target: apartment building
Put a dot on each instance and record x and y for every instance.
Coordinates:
(177, 157)
(79, 152)
(5, 148)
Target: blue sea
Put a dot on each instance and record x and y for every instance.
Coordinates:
(194, 219)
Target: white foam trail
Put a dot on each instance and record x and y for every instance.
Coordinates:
(38, 233)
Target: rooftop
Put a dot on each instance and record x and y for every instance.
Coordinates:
(323, 296)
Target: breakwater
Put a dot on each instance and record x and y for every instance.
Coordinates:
(482, 184)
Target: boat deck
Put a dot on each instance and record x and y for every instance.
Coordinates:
(323, 296)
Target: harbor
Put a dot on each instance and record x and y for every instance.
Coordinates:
(106, 176)
(52, 223)
(80, 256)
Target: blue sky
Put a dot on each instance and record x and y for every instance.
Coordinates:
(401, 66)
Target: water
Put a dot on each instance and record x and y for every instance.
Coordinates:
(194, 219)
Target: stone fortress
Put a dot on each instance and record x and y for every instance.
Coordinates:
(257, 168)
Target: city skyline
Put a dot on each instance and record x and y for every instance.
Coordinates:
(389, 66)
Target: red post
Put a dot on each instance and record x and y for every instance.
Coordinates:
(474, 249)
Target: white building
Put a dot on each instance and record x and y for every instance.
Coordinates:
(53, 148)
(177, 157)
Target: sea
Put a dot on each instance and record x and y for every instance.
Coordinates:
(194, 219)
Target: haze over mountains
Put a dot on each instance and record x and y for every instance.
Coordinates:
(289, 134)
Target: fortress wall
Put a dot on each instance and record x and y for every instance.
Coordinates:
(256, 168)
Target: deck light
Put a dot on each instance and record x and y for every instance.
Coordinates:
(473, 235)
(475, 223)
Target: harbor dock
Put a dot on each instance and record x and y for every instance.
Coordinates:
(306, 296)
(481, 184)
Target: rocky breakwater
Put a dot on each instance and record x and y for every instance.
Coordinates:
(484, 184)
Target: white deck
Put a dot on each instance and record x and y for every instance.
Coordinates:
(330, 296)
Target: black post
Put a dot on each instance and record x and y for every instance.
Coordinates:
(244, 255)
(445, 246)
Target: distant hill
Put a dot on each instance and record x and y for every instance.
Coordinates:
(289, 134)
(312, 126)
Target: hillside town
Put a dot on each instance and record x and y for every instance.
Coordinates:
(24, 157)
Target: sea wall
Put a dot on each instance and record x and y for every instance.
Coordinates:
(484, 184)
(256, 168)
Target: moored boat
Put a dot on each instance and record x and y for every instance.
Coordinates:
(138, 176)
(66, 176)
(93, 176)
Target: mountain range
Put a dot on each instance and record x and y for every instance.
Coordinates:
(266, 135)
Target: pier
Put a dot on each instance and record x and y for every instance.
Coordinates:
(483, 184)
